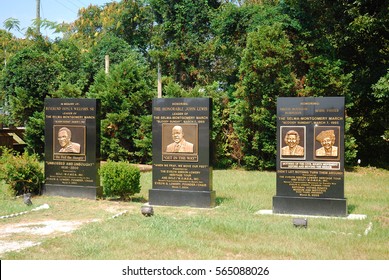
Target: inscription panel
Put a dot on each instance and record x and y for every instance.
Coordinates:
(72, 143)
(315, 167)
(181, 143)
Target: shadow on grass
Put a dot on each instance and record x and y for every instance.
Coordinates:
(220, 200)
(351, 168)
(350, 208)
(140, 199)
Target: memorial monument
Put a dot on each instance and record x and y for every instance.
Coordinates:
(72, 147)
(310, 156)
(182, 172)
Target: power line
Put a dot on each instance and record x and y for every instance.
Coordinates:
(63, 5)
(74, 4)
(83, 4)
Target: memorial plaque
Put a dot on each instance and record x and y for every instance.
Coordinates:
(182, 172)
(310, 156)
(72, 147)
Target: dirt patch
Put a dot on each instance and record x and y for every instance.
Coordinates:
(38, 228)
(16, 236)
(42, 228)
(9, 246)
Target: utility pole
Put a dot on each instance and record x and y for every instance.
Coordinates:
(38, 16)
(107, 64)
(159, 88)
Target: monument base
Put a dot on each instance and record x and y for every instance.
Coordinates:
(90, 192)
(310, 206)
(199, 199)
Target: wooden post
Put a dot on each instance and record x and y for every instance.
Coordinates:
(38, 16)
(107, 64)
(159, 82)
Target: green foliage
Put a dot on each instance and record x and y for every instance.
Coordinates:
(130, 20)
(265, 74)
(73, 80)
(143, 140)
(354, 34)
(120, 179)
(181, 39)
(126, 96)
(12, 23)
(116, 48)
(325, 78)
(34, 134)
(30, 76)
(9, 46)
(226, 147)
(86, 28)
(22, 172)
(350, 145)
(244, 54)
(6, 192)
(375, 141)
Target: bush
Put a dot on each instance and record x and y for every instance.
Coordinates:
(22, 172)
(251, 162)
(120, 179)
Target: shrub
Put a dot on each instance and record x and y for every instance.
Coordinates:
(251, 162)
(120, 179)
(22, 172)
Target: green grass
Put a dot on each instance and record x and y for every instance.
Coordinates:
(9, 204)
(232, 230)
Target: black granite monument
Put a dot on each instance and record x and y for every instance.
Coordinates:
(182, 172)
(310, 156)
(72, 147)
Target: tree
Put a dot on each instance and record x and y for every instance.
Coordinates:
(242, 53)
(42, 70)
(131, 21)
(34, 134)
(12, 23)
(73, 79)
(378, 139)
(266, 72)
(354, 33)
(126, 97)
(181, 39)
(230, 25)
(30, 76)
(88, 27)
(117, 49)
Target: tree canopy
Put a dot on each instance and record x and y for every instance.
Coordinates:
(244, 54)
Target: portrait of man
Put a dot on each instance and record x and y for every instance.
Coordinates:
(179, 145)
(292, 141)
(327, 141)
(64, 139)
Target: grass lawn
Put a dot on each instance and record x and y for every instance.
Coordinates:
(111, 229)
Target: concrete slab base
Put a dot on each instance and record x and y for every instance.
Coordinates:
(348, 217)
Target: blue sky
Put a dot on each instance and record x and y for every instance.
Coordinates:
(53, 10)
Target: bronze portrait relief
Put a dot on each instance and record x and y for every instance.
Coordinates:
(64, 139)
(292, 142)
(180, 142)
(326, 143)
(179, 145)
(69, 139)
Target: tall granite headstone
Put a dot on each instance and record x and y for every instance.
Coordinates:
(310, 156)
(72, 147)
(182, 171)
